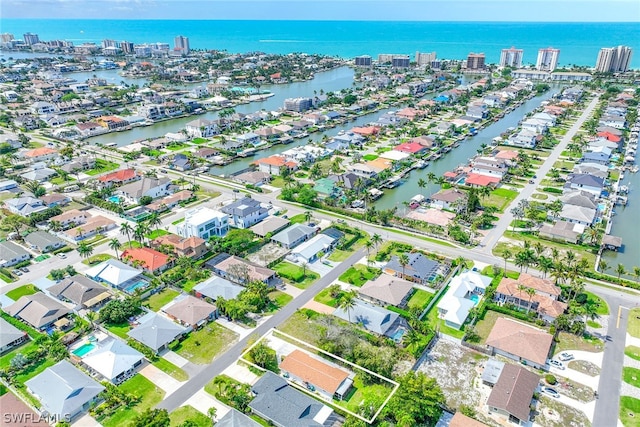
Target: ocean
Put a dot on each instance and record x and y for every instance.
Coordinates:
(579, 43)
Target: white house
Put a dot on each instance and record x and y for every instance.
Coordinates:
(201, 128)
(311, 250)
(464, 293)
(152, 187)
(203, 222)
(11, 254)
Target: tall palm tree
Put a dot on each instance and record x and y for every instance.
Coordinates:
(154, 220)
(128, 230)
(403, 260)
(603, 266)
(506, 254)
(368, 245)
(620, 270)
(376, 239)
(141, 231)
(91, 317)
(530, 292)
(307, 216)
(347, 301)
(84, 250)
(545, 265)
(422, 183)
(521, 288)
(115, 245)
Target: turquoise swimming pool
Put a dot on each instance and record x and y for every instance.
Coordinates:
(139, 284)
(84, 349)
(398, 334)
(475, 298)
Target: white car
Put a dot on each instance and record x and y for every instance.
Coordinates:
(566, 356)
(62, 255)
(556, 364)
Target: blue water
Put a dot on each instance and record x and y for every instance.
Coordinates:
(475, 298)
(114, 199)
(579, 43)
(131, 288)
(397, 336)
(83, 350)
(601, 207)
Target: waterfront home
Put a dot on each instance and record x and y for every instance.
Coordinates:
(512, 394)
(544, 301)
(294, 235)
(595, 169)
(364, 170)
(386, 290)
(217, 287)
(281, 404)
(42, 242)
(436, 217)
(206, 153)
(538, 126)
(411, 147)
(490, 166)
(464, 293)
(24, 206)
(274, 165)
(449, 199)
(112, 122)
(37, 310)
(150, 187)
(239, 270)
(157, 332)
(193, 247)
(10, 336)
(478, 180)
(313, 249)
(64, 391)
(202, 128)
(41, 154)
(203, 222)
(43, 107)
(597, 144)
(520, 342)
(12, 254)
(562, 231)
(329, 380)
(327, 188)
(600, 157)
(585, 182)
(148, 259)
(245, 212)
(578, 214)
(579, 198)
(81, 291)
(119, 177)
(113, 360)
(526, 138)
(420, 269)
(367, 131)
(190, 311)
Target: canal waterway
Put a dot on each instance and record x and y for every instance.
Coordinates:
(624, 225)
(458, 156)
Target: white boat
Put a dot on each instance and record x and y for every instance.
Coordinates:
(421, 164)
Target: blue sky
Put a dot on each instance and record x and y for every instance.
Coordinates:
(403, 10)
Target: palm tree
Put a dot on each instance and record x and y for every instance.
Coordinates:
(84, 250)
(91, 317)
(620, 270)
(521, 289)
(55, 225)
(154, 220)
(539, 248)
(506, 254)
(376, 239)
(115, 245)
(141, 231)
(128, 230)
(403, 260)
(545, 265)
(212, 413)
(603, 266)
(636, 273)
(531, 292)
(422, 183)
(347, 301)
(307, 216)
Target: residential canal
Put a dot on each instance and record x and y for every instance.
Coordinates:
(328, 81)
(624, 225)
(458, 156)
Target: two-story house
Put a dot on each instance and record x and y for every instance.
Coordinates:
(245, 212)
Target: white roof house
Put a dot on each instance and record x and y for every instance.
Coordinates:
(113, 359)
(463, 294)
(309, 250)
(113, 272)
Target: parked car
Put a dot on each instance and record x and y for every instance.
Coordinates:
(62, 255)
(556, 364)
(24, 269)
(16, 272)
(551, 392)
(566, 356)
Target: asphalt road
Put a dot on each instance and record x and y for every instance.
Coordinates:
(225, 360)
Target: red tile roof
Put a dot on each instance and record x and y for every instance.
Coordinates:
(481, 180)
(609, 136)
(118, 176)
(37, 152)
(150, 259)
(314, 371)
(276, 161)
(366, 131)
(410, 147)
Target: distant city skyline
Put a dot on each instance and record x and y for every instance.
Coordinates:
(360, 10)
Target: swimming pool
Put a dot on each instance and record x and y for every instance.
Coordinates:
(84, 349)
(114, 199)
(475, 298)
(139, 284)
(601, 207)
(397, 335)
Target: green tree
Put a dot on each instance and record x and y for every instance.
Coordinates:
(115, 245)
(151, 418)
(347, 301)
(403, 260)
(85, 250)
(418, 401)
(620, 270)
(126, 228)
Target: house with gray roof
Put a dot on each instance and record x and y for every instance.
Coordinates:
(245, 212)
(386, 290)
(420, 269)
(312, 249)
(42, 241)
(216, 287)
(81, 291)
(593, 157)
(579, 198)
(113, 360)
(38, 310)
(372, 318)
(64, 390)
(24, 206)
(10, 336)
(11, 254)
(152, 187)
(157, 332)
(272, 225)
(578, 214)
(190, 311)
(294, 235)
(114, 273)
(277, 401)
(585, 182)
(39, 175)
(235, 418)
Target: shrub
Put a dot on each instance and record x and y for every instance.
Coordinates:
(550, 379)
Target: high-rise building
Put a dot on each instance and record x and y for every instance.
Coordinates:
(400, 61)
(613, 59)
(385, 58)
(298, 104)
(511, 57)
(109, 43)
(547, 59)
(475, 61)
(6, 37)
(425, 58)
(31, 39)
(127, 47)
(363, 61)
(181, 43)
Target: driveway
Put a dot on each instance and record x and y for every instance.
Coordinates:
(163, 380)
(202, 401)
(320, 268)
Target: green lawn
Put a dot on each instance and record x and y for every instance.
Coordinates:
(34, 370)
(296, 275)
(28, 347)
(359, 274)
(199, 140)
(484, 326)
(593, 324)
(369, 157)
(156, 301)
(203, 345)
(339, 255)
(178, 221)
(629, 411)
(631, 376)
(324, 297)
(167, 367)
(97, 259)
(157, 233)
(101, 167)
(58, 180)
(633, 327)
(279, 299)
(362, 393)
(437, 323)
(184, 413)
(298, 219)
(149, 395)
(176, 146)
(603, 308)
(500, 198)
(420, 299)
(21, 291)
(120, 329)
(631, 350)
(569, 341)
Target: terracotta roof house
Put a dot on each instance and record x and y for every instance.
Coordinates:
(461, 420)
(411, 147)
(91, 227)
(81, 291)
(520, 342)
(544, 301)
(386, 290)
(329, 380)
(190, 311)
(120, 177)
(193, 247)
(450, 199)
(38, 310)
(477, 180)
(39, 154)
(366, 131)
(149, 259)
(511, 396)
(273, 165)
